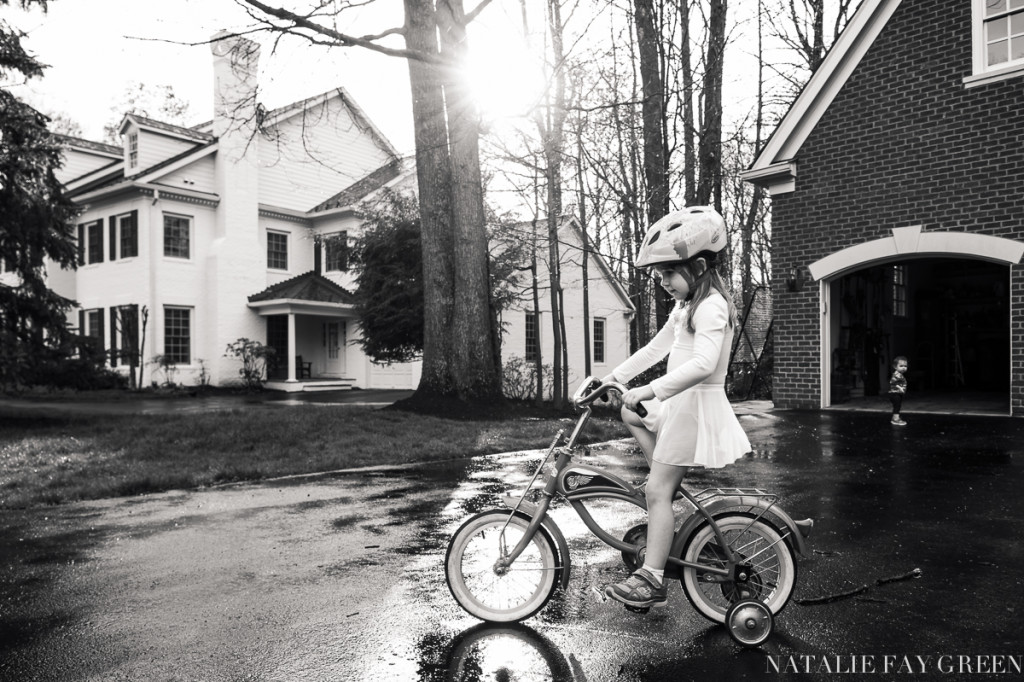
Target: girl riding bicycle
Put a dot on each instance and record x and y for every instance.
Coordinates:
(689, 420)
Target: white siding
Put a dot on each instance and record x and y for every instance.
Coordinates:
(605, 302)
(78, 162)
(316, 155)
(195, 176)
(155, 148)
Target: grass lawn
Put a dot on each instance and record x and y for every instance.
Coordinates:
(57, 459)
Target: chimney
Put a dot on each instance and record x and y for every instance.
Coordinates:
(235, 62)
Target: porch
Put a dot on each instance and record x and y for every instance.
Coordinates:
(307, 319)
(310, 385)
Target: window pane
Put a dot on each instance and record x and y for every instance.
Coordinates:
(1016, 4)
(177, 335)
(1017, 23)
(176, 238)
(994, 7)
(598, 340)
(996, 29)
(997, 53)
(277, 251)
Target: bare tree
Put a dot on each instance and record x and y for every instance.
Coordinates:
(460, 347)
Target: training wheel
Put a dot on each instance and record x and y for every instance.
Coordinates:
(750, 622)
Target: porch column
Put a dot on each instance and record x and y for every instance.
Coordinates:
(291, 346)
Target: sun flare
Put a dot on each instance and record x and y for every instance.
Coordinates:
(504, 75)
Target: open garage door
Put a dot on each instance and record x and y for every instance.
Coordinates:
(949, 316)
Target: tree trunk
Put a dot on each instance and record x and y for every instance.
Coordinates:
(648, 37)
(476, 375)
(434, 181)
(709, 187)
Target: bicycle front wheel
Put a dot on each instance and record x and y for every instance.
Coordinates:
(489, 590)
(772, 577)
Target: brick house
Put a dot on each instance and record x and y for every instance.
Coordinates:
(897, 185)
(219, 232)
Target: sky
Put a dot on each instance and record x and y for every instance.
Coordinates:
(96, 48)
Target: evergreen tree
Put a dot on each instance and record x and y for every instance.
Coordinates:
(35, 224)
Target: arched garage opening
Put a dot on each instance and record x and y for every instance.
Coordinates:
(940, 299)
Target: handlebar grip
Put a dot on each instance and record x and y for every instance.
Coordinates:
(641, 410)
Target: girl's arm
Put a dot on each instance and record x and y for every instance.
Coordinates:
(711, 322)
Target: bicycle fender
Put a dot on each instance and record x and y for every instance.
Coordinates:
(529, 509)
(750, 506)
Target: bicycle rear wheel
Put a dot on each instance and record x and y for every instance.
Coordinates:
(491, 592)
(772, 577)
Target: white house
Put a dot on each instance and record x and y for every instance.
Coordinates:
(605, 327)
(215, 232)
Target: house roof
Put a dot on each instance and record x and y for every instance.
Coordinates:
(177, 131)
(116, 171)
(308, 286)
(280, 113)
(359, 189)
(81, 143)
(775, 166)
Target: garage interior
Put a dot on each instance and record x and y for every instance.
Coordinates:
(949, 317)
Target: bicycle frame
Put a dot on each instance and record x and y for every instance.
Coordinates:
(577, 484)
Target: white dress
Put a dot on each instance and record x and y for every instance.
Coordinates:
(691, 415)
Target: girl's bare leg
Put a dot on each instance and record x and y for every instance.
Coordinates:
(661, 487)
(644, 438)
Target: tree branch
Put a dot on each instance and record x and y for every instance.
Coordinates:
(342, 39)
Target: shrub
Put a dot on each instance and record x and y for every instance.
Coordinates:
(254, 356)
(519, 378)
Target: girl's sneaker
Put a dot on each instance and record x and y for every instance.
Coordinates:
(639, 590)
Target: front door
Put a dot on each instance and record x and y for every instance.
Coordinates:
(334, 339)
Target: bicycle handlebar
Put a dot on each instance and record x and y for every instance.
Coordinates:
(591, 389)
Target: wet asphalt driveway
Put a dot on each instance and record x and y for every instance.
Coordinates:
(341, 578)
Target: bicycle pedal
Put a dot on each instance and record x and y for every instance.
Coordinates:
(637, 609)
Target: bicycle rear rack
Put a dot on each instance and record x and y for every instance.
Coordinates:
(709, 494)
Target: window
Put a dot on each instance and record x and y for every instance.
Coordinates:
(336, 249)
(133, 150)
(124, 236)
(1003, 32)
(532, 337)
(277, 251)
(90, 326)
(124, 335)
(90, 242)
(178, 335)
(599, 339)
(998, 41)
(176, 236)
(899, 291)
(7, 264)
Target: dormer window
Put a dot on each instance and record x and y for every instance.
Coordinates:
(133, 150)
(998, 40)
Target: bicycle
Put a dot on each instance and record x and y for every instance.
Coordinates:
(734, 554)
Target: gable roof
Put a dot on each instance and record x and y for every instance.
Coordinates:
(88, 145)
(159, 126)
(361, 188)
(308, 286)
(775, 166)
(276, 116)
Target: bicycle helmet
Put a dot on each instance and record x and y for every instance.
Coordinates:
(682, 235)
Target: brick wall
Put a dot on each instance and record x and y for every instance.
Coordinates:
(904, 143)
